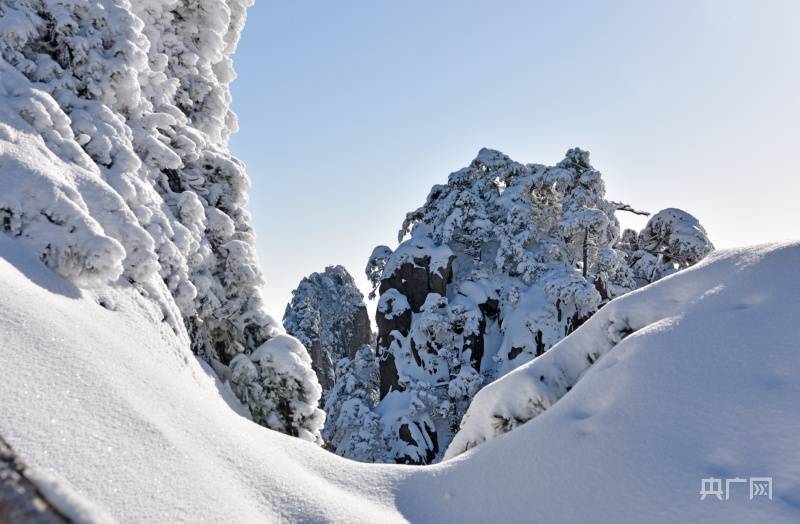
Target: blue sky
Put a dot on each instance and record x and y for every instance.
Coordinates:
(350, 111)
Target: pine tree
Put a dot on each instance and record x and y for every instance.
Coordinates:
(670, 241)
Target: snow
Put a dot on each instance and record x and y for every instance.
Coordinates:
(114, 165)
(116, 405)
(113, 405)
(63, 497)
(393, 304)
(420, 248)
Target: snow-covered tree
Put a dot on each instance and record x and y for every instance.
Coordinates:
(126, 108)
(672, 240)
(277, 383)
(352, 429)
(377, 261)
(328, 315)
(497, 266)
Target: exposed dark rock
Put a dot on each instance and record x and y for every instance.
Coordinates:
(414, 281)
(410, 280)
(406, 436)
(20, 499)
(390, 381)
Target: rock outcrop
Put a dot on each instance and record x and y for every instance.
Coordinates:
(497, 266)
(328, 315)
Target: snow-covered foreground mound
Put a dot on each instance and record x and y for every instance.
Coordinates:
(106, 402)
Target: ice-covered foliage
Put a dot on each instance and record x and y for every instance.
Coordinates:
(496, 267)
(114, 121)
(672, 240)
(352, 429)
(377, 261)
(327, 314)
(277, 383)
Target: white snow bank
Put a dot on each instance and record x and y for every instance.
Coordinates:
(113, 403)
(531, 389)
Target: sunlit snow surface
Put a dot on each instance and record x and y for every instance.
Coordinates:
(107, 401)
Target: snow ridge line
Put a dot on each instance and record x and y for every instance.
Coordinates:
(539, 384)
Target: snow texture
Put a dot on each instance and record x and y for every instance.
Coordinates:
(114, 122)
(112, 403)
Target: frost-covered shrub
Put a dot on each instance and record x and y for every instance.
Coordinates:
(377, 261)
(327, 314)
(114, 121)
(282, 391)
(352, 429)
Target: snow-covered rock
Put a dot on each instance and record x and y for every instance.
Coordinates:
(502, 262)
(328, 315)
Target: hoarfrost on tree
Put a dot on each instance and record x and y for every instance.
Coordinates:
(114, 122)
(328, 315)
(353, 429)
(497, 266)
(672, 240)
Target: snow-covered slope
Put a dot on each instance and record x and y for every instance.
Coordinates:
(115, 170)
(108, 403)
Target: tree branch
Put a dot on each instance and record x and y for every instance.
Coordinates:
(619, 206)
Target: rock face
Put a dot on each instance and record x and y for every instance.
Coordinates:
(404, 287)
(20, 499)
(328, 315)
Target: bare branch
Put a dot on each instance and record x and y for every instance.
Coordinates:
(619, 206)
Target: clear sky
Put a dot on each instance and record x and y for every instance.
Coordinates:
(350, 111)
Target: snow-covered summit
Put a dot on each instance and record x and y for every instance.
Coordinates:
(328, 315)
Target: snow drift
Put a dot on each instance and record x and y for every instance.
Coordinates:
(102, 397)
